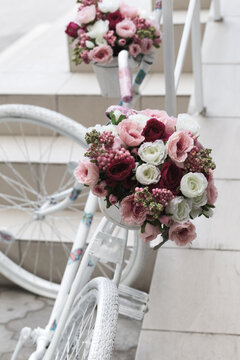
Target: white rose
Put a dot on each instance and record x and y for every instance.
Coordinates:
(195, 212)
(99, 29)
(153, 152)
(193, 184)
(179, 208)
(109, 5)
(147, 174)
(140, 118)
(199, 201)
(89, 44)
(100, 40)
(186, 122)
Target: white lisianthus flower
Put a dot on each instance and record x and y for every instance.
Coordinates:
(193, 184)
(99, 29)
(109, 5)
(186, 122)
(140, 118)
(89, 44)
(208, 213)
(195, 212)
(199, 201)
(179, 208)
(153, 152)
(147, 174)
(100, 40)
(112, 128)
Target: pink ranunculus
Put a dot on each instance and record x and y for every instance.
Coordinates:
(146, 45)
(130, 132)
(113, 199)
(150, 233)
(178, 146)
(102, 54)
(87, 172)
(124, 110)
(134, 50)
(182, 234)
(132, 212)
(99, 189)
(128, 11)
(122, 42)
(86, 15)
(126, 28)
(212, 192)
(166, 220)
(169, 121)
(117, 143)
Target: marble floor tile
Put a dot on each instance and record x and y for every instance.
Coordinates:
(221, 90)
(156, 345)
(195, 291)
(219, 45)
(222, 136)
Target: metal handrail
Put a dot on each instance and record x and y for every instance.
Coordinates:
(172, 73)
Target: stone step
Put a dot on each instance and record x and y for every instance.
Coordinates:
(183, 4)
(158, 66)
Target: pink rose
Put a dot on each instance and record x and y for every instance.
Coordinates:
(212, 192)
(169, 121)
(128, 11)
(126, 28)
(146, 45)
(102, 54)
(165, 220)
(132, 212)
(113, 199)
(130, 132)
(86, 15)
(99, 189)
(87, 172)
(182, 234)
(134, 50)
(178, 146)
(150, 233)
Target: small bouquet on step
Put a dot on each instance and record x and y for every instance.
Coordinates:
(101, 29)
(153, 169)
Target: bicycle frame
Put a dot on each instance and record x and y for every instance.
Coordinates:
(102, 246)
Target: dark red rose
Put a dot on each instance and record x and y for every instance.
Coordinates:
(72, 29)
(120, 169)
(155, 130)
(171, 176)
(114, 18)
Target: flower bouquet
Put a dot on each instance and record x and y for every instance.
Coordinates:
(102, 29)
(152, 169)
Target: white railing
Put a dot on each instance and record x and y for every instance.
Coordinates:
(216, 10)
(173, 73)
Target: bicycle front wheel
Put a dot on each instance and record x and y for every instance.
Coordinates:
(91, 327)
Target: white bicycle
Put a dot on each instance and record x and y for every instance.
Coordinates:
(40, 219)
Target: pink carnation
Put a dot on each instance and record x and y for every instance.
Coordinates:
(212, 192)
(150, 233)
(86, 15)
(132, 212)
(99, 189)
(178, 146)
(102, 54)
(87, 172)
(126, 28)
(146, 45)
(134, 50)
(110, 37)
(169, 121)
(128, 11)
(130, 132)
(182, 234)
